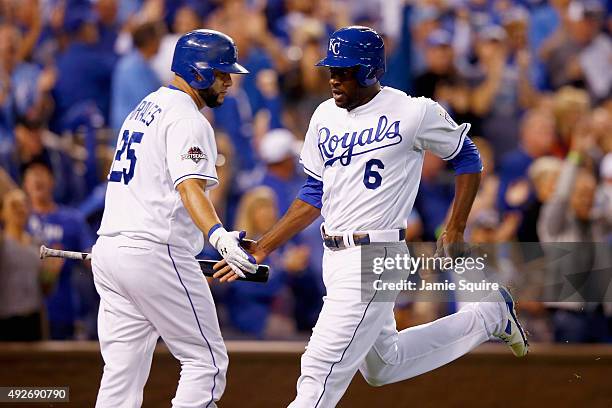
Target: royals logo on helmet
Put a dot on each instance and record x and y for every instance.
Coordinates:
(195, 153)
(334, 46)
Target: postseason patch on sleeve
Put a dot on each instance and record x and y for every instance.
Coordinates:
(194, 153)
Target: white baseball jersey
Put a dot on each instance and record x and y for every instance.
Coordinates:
(370, 158)
(164, 141)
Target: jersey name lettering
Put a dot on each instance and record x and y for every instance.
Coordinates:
(145, 112)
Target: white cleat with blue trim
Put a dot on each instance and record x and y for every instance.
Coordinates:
(512, 334)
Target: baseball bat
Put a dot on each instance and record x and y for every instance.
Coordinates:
(206, 265)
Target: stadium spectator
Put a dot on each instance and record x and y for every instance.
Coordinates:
(570, 105)
(24, 87)
(304, 88)
(294, 284)
(574, 56)
(185, 19)
(569, 216)
(601, 123)
(435, 195)
(6, 183)
(439, 64)
(537, 136)
(543, 174)
(259, 49)
(498, 91)
(84, 72)
(278, 150)
(20, 273)
(441, 80)
(134, 77)
(604, 194)
(33, 142)
(486, 198)
(108, 24)
(59, 227)
(423, 21)
(250, 306)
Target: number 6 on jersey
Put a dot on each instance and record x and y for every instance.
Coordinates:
(371, 178)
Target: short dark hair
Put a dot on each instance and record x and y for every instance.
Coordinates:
(145, 33)
(38, 161)
(29, 122)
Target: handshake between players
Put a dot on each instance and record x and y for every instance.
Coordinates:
(235, 258)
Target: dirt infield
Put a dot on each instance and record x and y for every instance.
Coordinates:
(263, 374)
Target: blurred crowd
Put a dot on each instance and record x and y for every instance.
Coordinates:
(533, 77)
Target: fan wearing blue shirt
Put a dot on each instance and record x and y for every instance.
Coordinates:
(84, 70)
(58, 227)
(133, 77)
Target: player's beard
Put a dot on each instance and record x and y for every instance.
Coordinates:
(210, 97)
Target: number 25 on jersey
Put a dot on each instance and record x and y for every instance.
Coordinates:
(127, 171)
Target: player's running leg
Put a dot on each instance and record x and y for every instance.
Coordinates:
(397, 356)
(347, 327)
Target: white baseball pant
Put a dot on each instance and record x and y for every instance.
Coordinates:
(149, 290)
(360, 334)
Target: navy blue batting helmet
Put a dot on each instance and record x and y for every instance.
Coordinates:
(357, 46)
(203, 51)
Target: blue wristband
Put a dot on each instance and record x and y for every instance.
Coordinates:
(214, 228)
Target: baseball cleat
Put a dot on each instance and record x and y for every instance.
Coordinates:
(512, 334)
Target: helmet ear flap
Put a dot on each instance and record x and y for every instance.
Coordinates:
(366, 76)
(202, 77)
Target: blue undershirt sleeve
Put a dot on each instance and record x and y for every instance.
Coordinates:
(468, 159)
(312, 192)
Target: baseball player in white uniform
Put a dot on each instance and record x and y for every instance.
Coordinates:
(157, 211)
(363, 155)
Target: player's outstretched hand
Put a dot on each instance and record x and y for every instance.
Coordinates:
(451, 245)
(224, 272)
(228, 245)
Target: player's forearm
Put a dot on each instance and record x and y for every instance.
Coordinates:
(466, 187)
(299, 215)
(198, 205)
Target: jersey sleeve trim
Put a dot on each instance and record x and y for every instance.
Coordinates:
(459, 143)
(215, 180)
(312, 173)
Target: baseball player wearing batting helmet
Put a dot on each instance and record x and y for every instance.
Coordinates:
(363, 155)
(157, 209)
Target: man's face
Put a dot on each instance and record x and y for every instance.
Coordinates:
(583, 195)
(345, 88)
(538, 134)
(9, 46)
(15, 209)
(38, 183)
(439, 59)
(29, 140)
(214, 95)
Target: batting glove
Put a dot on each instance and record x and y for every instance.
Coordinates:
(228, 245)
